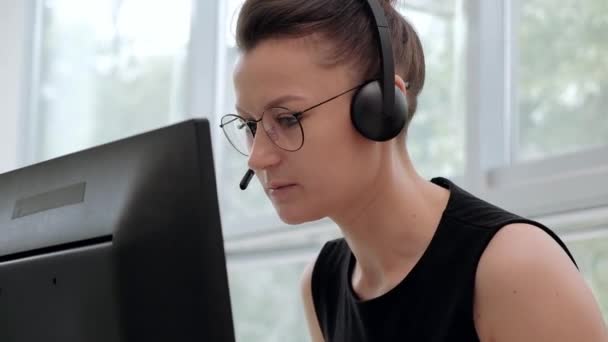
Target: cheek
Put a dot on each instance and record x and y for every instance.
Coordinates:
(338, 165)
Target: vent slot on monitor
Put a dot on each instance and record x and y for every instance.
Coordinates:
(54, 199)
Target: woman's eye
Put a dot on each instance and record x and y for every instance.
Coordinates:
(287, 121)
(252, 126)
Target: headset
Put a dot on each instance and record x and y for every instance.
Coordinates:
(379, 110)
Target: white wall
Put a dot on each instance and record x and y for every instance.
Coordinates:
(12, 57)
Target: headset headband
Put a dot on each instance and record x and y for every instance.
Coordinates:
(386, 57)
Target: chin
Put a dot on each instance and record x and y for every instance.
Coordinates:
(297, 215)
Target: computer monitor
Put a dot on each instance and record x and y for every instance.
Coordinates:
(121, 242)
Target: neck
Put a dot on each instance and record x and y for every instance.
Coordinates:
(390, 231)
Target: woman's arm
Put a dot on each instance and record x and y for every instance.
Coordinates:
(527, 289)
(311, 316)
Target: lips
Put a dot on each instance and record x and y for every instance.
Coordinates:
(274, 185)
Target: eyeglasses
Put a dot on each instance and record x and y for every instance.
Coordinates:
(282, 126)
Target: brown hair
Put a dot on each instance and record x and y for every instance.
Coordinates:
(337, 21)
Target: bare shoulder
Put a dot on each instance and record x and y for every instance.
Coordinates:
(528, 289)
(307, 300)
(306, 278)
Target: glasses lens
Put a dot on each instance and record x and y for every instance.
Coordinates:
(283, 128)
(239, 132)
(281, 125)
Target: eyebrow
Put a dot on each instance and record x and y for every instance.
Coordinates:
(274, 103)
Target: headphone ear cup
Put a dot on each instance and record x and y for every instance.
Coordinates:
(368, 117)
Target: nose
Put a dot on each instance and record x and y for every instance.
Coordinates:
(264, 153)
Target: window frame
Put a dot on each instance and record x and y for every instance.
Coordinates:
(538, 188)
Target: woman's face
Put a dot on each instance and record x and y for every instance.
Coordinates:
(336, 165)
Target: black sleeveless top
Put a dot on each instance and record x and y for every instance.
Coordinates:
(435, 300)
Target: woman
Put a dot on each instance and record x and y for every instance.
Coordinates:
(420, 260)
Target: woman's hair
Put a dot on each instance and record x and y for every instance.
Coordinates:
(349, 27)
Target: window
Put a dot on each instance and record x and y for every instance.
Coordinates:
(266, 301)
(107, 70)
(436, 135)
(562, 81)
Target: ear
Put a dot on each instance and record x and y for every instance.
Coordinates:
(401, 84)
(403, 87)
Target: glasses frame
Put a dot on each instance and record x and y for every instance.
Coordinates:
(297, 115)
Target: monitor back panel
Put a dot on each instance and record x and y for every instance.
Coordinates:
(60, 296)
(125, 232)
